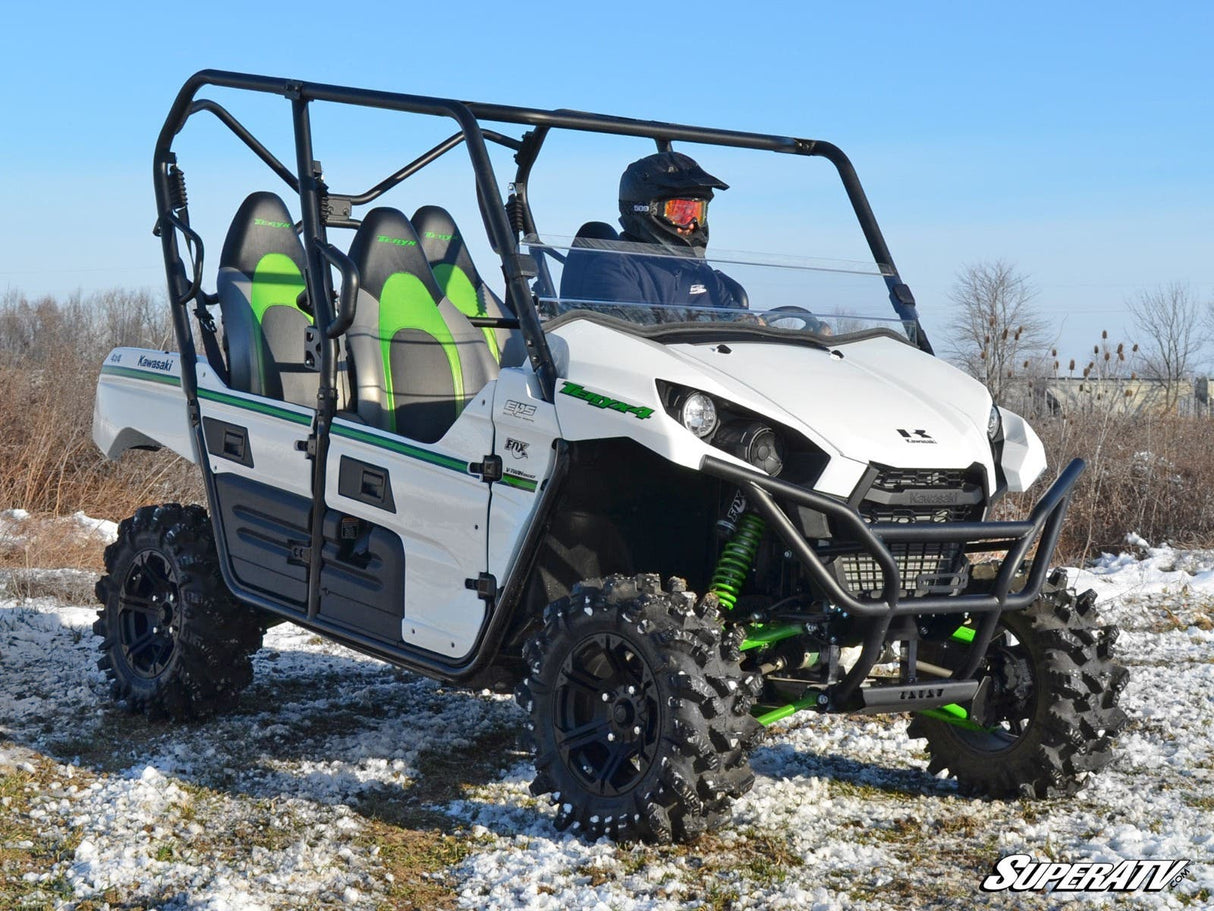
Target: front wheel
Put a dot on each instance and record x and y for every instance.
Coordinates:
(174, 642)
(640, 712)
(1049, 709)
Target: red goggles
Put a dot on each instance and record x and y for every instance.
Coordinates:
(682, 212)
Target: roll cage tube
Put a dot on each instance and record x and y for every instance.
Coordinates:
(663, 134)
(515, 267)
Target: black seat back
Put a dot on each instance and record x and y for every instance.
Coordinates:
(417, 359)
(261, 275)
(457, 275)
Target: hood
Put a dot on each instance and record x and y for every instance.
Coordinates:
(874, 400)
(870, 400)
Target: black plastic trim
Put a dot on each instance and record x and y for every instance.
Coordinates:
(228, 441)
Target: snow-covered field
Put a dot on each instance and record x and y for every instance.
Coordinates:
(344, 783)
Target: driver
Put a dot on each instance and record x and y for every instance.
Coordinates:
(664, 204)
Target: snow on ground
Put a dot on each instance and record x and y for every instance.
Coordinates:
(295, 800)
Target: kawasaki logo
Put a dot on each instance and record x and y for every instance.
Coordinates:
(153, 364)
(399, 241)
(272, 224)
(599, 400)
(936, 497)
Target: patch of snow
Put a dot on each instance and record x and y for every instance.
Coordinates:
(268, 808)
(102, 529)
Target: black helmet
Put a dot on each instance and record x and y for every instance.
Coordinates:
(651, 181)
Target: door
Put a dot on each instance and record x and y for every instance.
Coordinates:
(415, 514)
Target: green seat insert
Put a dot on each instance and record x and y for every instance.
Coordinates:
(416, 358)
(261, 276)
(457, 275)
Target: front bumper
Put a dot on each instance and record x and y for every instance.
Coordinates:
(1043, 526)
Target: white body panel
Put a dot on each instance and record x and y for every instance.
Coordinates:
(1023, 454)
(526, 430)
(139, 402)
(442, 512)
(872, 400)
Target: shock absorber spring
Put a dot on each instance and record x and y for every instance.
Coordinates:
(736, 560)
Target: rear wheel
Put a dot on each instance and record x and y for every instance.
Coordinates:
(640, 713)
(173, 641)
(1049, 712)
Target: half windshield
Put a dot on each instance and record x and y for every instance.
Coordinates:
(651, 289)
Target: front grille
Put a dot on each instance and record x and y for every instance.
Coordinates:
(904, 496)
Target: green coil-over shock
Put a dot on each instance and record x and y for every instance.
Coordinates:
(736, 560)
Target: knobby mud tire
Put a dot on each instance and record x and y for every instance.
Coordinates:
(664, 760)
(174, 642)
(1071, 713)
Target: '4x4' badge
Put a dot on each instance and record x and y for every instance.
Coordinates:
(598, 400)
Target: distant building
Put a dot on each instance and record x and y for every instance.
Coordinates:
(1121, 395)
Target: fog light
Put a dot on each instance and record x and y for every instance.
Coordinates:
(755, 443)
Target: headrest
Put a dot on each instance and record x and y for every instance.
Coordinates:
(594, 230)
(386, 244)
(262, 225)
(442, 242)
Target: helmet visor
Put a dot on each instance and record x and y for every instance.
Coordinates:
(682, 212)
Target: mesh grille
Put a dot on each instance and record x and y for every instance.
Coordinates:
(923, 568)
(904, 496)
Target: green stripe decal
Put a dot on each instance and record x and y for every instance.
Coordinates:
(265, 408)
(520, 483)
(413, 452)
(133, 374)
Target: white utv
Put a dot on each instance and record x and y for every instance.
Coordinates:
(666, 526)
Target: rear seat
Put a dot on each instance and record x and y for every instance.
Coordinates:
(261, 276)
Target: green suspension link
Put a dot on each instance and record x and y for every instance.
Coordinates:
(736, 560)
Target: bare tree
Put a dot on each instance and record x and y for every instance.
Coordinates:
(1168, 319)
(996, 331)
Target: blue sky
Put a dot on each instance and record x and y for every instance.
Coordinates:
(1073, 140)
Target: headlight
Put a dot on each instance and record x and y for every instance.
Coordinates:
(698, 414)
(993, 422)
(755, 443)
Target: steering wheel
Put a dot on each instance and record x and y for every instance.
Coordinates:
(796, 318)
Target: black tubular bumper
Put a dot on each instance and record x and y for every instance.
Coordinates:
(1016, 538)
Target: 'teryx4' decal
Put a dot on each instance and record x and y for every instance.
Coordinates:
(598, 400)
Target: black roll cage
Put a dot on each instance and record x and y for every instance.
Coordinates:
(321, 208)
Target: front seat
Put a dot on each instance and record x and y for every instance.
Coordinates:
(261, 278)
(417, 360)
(456, 274)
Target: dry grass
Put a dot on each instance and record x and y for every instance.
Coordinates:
(1150, 474)
(50, 355)
(1147, 473)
